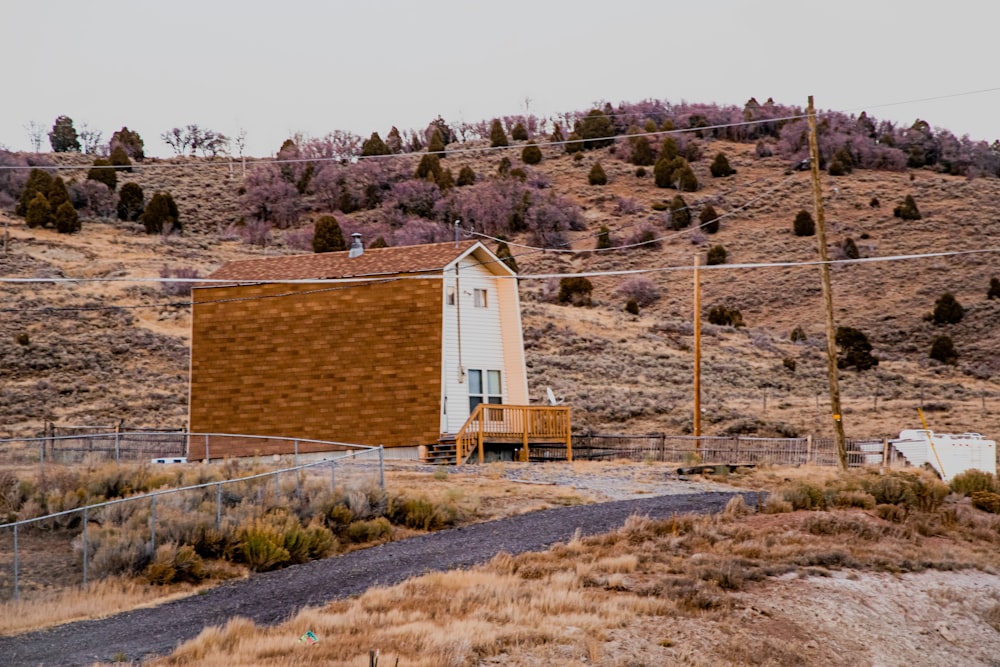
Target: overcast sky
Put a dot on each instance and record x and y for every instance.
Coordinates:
(275, 68)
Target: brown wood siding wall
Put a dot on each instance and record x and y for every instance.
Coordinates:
(358, 365)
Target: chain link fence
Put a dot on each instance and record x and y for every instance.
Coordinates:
(90, 538)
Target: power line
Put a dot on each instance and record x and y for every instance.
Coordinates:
(365, 282)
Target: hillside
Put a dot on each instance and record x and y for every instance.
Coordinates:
(620, 372)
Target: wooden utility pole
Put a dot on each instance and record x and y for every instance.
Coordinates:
(831, 341)
(697, 352)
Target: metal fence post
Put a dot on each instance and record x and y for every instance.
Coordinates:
(84, 540)
(333, 475)
(117, 443)
(218, 506)
(381, 466)
(17, 590)
(298, 475)
(152, 524)
(277, 488)
(206, 449)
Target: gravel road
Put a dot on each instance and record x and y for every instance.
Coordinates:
(273, 597)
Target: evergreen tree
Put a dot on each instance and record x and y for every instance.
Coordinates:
(716, 255)
(519, 133)
(131, 202)
(505, 255)
(531, 154)
(161, 214)
(38, 181)
(597, 175)
(855, 350)
(603, 238)
(379, 242)
(328, 236)
(446, 181)
(63, 136)
(497, 135)
(597, 130)
(574, 144)
(436, 143)
(642, 153)
(994, 291)
(393, 141)
(58, 193)
(850, 249)
(119, 159)
(685, 179)
(709, 219)
(39, 212)
(947, 310)
(680, 214)
(429, 168)
(907, 210)
(804, 225)
(557, 134)
(102, 173)
(466, 176)
(669, 149)
(720, 167)
(374, 146)
(943, 350)
(575, 290)
(130, 141)
(66, 219)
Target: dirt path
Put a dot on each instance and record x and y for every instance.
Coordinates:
(275, 596)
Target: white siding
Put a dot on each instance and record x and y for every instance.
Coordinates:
(481, 339)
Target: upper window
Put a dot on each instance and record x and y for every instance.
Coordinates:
(479, 298)
(450, 296)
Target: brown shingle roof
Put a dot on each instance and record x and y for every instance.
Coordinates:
(431, 257)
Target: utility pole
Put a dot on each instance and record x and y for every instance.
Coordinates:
(831, 344)
(697, 352)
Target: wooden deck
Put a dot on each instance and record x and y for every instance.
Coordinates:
(518, 426)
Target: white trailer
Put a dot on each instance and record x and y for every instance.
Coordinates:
(948, 454)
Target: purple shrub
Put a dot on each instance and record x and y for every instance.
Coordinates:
(177, 288)
(269, 197)
(93, 199)
(640, 288)
(644, 234)
(415, 197)
(627, 207)
(300, 238)
(416, 231)
(548, 220)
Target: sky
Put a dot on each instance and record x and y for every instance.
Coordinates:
(273, 69)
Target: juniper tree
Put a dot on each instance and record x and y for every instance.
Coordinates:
(38, 181)
(63, 136)
(327, 235)
(498, 137)
(597, 175)
(709, 219)
(531, 154)
(804, 224)
(66, 219)
(103, 173)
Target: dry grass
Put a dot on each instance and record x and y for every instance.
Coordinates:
(97, 600)
(648, 593)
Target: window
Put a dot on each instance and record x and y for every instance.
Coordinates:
(488, 392)
(479, 298)
(450, 296)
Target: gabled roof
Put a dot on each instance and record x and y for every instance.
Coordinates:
(429, 258)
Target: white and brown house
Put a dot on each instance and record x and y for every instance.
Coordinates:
(390, 346)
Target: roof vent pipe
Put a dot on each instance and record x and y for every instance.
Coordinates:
(356, 248)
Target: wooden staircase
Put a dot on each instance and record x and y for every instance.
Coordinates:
(514, 428)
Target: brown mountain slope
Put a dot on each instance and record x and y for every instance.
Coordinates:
(620, 372)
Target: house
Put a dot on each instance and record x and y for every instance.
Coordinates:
(390, 346)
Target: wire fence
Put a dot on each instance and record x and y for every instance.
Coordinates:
(95, 535)
(729, 450)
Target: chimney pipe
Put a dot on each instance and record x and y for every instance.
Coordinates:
(357, 249)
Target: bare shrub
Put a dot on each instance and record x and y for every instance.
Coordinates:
(177, 272)
(643, 290)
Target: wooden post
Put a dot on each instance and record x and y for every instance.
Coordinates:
(569, 436)
(526, 425)
(697, 352)
(809, 447)
(831, 345)
(482, 427)
(885, 451)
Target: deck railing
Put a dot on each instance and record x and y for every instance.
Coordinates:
(515, 424)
